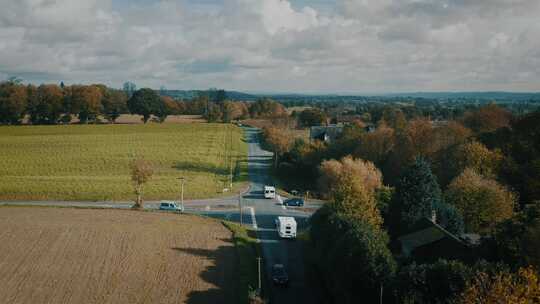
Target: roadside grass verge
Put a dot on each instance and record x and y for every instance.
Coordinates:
(247, 250)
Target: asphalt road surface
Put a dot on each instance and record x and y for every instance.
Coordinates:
(275, 250)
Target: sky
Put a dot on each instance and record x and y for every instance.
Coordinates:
(302, 46)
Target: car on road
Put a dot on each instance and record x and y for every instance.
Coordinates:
(279, 275)
(269, 192)
(286, 227)
(171, 206)
(295, 201)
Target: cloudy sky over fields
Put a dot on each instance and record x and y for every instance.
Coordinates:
(328, 46)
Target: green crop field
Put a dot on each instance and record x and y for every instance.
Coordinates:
(91, 162)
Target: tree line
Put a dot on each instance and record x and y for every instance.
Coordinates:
(59, 104)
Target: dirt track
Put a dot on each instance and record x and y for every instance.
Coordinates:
(52, 255)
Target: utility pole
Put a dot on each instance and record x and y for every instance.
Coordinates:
(259, 268)
(381, 298)
(230, 160)
(240, 207)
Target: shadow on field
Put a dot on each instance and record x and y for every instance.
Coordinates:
(198, 167)
(221, 274)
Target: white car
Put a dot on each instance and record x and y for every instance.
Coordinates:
(269, 192)
(171, 206)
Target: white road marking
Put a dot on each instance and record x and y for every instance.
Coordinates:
(253, 219)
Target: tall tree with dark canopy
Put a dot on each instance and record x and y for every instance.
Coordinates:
(311, 117)
(417, 195)
(114, 103)
(13, 101)
(145, 102)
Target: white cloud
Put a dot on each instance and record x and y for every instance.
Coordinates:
(272, 45)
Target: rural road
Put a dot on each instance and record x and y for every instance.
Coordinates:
(275, 250)
(257, 212)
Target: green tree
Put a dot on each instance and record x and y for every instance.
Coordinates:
(516, 241)
(362, 262)
(114, 104)
(351, 256)
(145, 102)
(440, 282)
(13, 102)
(417, 195)
(311, 117)
(482, 202)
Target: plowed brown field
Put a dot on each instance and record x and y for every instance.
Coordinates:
(52, 255)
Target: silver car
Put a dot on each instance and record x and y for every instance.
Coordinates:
(171, 206)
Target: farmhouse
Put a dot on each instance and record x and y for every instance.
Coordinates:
(432, 242)
(325, 133)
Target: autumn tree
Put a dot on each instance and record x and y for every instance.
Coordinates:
(234, 110)
(278, 141)
(168, 107)
(86, 102)
(145, 102)
(267, 108)
(394, 118)
(46, 104)
(375, 146)
(141, 173)
(451, 134)
(478, 157)
(483, 202)
(335, 172)
(13, 102)
(503, 287)
(488, 118)
(351, 186)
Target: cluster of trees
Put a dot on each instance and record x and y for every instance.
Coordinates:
(348, 250)
(53, 104)
(476, 174)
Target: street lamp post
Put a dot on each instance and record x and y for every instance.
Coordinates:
(182, 181)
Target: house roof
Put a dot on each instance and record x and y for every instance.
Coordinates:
(332, 131)
(430, 233)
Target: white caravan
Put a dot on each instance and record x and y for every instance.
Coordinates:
(269, 192)
(286, 227)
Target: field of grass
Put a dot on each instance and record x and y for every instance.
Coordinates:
(91, 162)
(61, 255)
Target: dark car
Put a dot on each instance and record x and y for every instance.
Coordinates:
(279, 275)
(298, 202)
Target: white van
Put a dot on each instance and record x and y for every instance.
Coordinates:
(286, 227)
(269, 192)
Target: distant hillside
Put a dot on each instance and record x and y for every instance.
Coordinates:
(508, 96)
(441, 96)
(190, 94)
